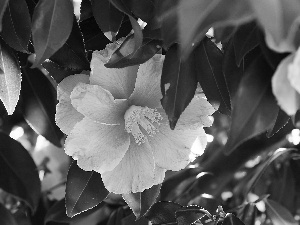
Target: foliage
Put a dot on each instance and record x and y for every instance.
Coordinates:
(247, 66)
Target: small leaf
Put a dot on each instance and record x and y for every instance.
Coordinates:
(281, 120)
(51, 26)
(163, 212)
(16, 27)
(146, 51)
(254, 108)
(140, 202)
(6, 218)
(245, 39)
(10, 78)
(178, 84)
(279, 214)
(189, 215)
(3, 5)
(18, 172)
(84, 190)
(72, 54)
(39, 104)
(108, 18)
(231, 219)
(210, 75)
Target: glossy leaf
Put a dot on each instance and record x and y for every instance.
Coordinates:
(231, 219)
(210, 75)
(18, 172)
(116, 217)
(131, 220)
(281, 120)
(146, 51)
(72, 54)
(143, 9)
(189, 215)
(247, 213)
(178, 84)
(6, 218)
(108, 18)
(163, 212)
(3, 5)
(16, 26)
(244, 40)
(10, 78)
(51, 26)
(206, 14)
(223, 34)
(254, 108)
(39, 104)
(278, 214)
(86, 11)
(84, 190)
(140, 202)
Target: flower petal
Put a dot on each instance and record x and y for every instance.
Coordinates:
(66, 116)
(98, 104)
(159, 175)
(135, 173)
(196, 114)
(294, 72)
(96, 146)
(171, 148)
(147, 87)
(287, 97)
(119, 82)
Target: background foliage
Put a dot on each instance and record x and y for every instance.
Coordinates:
(251, 166)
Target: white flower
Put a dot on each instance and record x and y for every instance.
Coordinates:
(116, 125)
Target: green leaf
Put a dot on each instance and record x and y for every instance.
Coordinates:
(140, 202)
(143, 9)
(84, 190)
(281, 120)
(196, 17)
(116, 217)
(189, 215)
(6, 218)
(210, 75)
(108, 18)
(254, 108)
(10, 78)
(231, 219)
(131, 220)
(3, 5)
(39, 104)
(245, 39)
(163, 212)
(146, 51)
(16, 26)
(223, 34)
(278, 214)
(51, 26)
(86, 11)
(247, 213)
(18, 172)
(72, 54)
(178, 84)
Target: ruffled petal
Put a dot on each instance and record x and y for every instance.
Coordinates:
(119, 82)
(96, 146)
(66, 116)
(171, 148)
(135, 173)
(196, 114)
(147, 87)
(98, 104)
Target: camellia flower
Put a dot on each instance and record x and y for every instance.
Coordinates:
(116, 125)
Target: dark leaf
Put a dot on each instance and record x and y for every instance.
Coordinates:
(278, 214)
(210, 75)
(31, 5)
(178, 84)
(51, 26)
(131, 220)
(16, 26)
(140, 202)
(223, 34)
(189, 215)
(39, 104)
(10, 78)
(116, 217)
(163, 212)
(84, 190)
(231, 219)
(247, 213)
(143, 9)
(72, 54)
(18, 172)
(254, 108)
(86, 11)
(6, 218)
(146, 51)
(108, 18)
(119, 4)
(94, 38)
(245, 39)
(3, 5)
(281, 120)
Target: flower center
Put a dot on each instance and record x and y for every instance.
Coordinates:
(137, 116)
